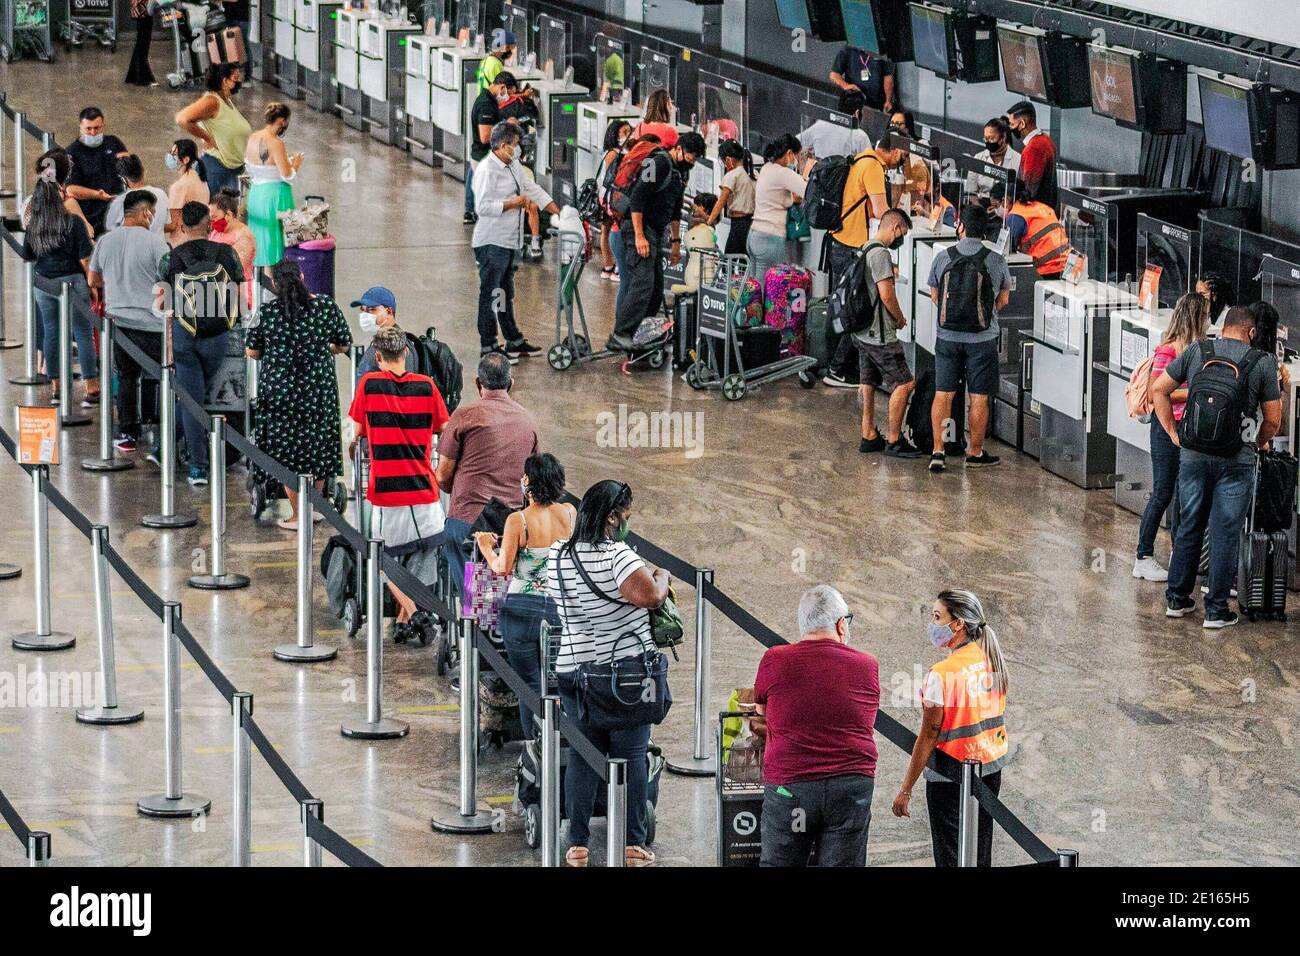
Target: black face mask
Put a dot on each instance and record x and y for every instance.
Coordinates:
(234, 87)
(897, 243)
(994, 147)
(1018, 134)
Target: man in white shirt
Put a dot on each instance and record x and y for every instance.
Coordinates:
(503, 195)
(997, 151)
(824, 138)
(132, 172)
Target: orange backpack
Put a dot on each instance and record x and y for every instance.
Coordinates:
(1137, 393)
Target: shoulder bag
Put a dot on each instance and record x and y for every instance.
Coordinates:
(666, 626)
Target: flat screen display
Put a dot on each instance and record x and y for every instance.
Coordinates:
(1226, 117)
(793, 15)
(860, 24)
(1022, 63)
(1114, 93)
(930, 39)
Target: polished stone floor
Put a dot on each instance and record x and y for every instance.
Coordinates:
(1134, 739)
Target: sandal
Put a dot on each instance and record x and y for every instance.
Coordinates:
(638, 856)
(288, 524)
(576, 856)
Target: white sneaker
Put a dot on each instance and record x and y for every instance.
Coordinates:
(1148, 570)
(1232, 591)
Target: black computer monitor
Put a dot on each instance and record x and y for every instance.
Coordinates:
(1225, 114)
(1023, 67)
(793, 15)
(860, 26)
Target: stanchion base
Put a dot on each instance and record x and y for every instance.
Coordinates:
(383, 729)
(219, 582)
(107, 464)
(692, 767)
(11, 343)
(161, 805)
(293, 654)
(54, 641)
(110, 715)
(456, 822)
(75, 420)
(10, 571)
(33, 380)
(169, 521)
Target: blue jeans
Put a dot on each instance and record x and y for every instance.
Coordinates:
(197, 361)
(1164, 491)
(219, 176)
(453, 533)
(496, 296)
(581, 782)
(521, 629)
(766, 251)
(1213, 493)
(469, 188)
(835, 814)
(83, 331)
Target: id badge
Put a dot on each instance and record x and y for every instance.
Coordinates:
(866, 75)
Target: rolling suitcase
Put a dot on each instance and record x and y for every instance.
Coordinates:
(820, 341)
(749, 303)
(226, 46)
(1263, 566)
(786, 291)
(685, 321)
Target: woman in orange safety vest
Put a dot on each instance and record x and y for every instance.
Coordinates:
(964, 703)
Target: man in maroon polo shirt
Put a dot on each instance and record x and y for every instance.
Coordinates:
(819, 699)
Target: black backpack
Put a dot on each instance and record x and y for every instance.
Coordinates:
(1216, 403)
(967, 298)
(435, 359)
(588, 203)
(823, 199)
(204, 296)
(853, 302)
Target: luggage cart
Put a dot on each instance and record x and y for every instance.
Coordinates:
(26, 30)
(89, 20)
(740, 809)
(719, 302)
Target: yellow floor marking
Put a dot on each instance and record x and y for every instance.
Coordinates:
(46, 825)
(428, 708)
(275, 564)
(10, 730)
(275, 847)
(496, 801)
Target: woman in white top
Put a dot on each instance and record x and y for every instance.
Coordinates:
(779, 187)
(616, 136)
(524, 554)
(271, 169)
(736, 197)
(613, 623)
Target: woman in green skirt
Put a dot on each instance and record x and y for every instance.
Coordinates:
(271, 169)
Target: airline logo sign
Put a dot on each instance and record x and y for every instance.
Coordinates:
(1182, 235)
(713, 311)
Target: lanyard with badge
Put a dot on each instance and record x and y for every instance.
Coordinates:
(864, 74)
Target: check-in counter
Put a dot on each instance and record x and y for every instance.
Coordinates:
(382, 76)
(287, 70)
(455, 87)
(261, 39)
(314, 27)
(347, 67)
(594, 118)
(423, 138)
(557, 138)
(1072, 323)
(1134, 334)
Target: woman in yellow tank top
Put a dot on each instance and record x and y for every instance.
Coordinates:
(215, 121)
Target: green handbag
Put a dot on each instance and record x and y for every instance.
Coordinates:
(796, 223)
(666, 626)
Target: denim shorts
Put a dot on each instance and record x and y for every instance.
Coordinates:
(976, 363)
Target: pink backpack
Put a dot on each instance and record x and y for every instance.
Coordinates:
(1137, 393)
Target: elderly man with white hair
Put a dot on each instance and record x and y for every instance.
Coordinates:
(819, 699)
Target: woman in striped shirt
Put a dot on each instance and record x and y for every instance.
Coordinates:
(605, 614)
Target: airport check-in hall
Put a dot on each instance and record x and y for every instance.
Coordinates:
(782, 433)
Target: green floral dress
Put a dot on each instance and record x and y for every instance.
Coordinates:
(297, 411)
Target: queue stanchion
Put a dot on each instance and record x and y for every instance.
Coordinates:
(10, 571)
(68, 418)
(968, 815)
(38, 848)
(550, 781)
(167, 516)
(43, 638)
(219, 579)
(314, 809)
(173, 801)
(616, 813)
(241, 821)
(31, 374)
(305, 650)
(4, 193)
(5, 341)
(107, 460)
(359, 496)
(375, 726)
(20, 162)
(700, 763)
(354, 365)
(1068, 857)
(467, 817)
(109, 710)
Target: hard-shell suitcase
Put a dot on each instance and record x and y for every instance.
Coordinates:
(685, 322)
(227, 46)
(786, 291)
(759, 346)
(819, 339)
(1263, 559)
(316, 260)
(749, 303)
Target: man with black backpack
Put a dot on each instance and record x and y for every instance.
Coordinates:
(1229, 382)
(969, 282)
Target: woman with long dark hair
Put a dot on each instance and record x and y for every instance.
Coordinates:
(617, 134)
(139, 73)
(780, 185)
(736, 196)
(604, 613)
(296, 336)
(191, 185)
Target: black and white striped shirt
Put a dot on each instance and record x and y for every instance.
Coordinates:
(592, 624)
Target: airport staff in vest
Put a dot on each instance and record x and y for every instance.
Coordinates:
(1035, 230)
(963, 704)
(503, 48)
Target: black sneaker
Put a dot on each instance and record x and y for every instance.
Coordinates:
(1180, 607)
(982, 460)
(1215, 623)
(937, 463)
(868, 445)
(902, 449)
(499, 351)
(470, 218)
(835, 380)
(522, 349)
(618, 343)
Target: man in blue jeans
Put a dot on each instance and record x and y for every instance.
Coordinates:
(1214, 490)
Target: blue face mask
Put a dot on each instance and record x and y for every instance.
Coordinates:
(171, 162)
(93, 141)
(939, 634)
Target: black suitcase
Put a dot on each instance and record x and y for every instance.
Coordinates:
(685, 322)
(760, 345)
(1263, 563)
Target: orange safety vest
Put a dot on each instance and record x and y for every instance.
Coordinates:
(1045, 240)
(973, 709)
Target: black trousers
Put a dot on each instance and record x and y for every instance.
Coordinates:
(128, 376)
(831, 815)
(943, 800)
(138, 73)
(844, 360)
(641, 292)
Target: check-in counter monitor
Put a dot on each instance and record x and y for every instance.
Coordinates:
(655, 71)
(1172, 250)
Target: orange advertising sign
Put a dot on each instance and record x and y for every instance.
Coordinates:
(38, 436)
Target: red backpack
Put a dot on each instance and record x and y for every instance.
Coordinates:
(620, 179)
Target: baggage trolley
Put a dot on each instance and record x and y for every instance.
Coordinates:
(719, 303)
(26, 30)
(739, 809)
(89, 20)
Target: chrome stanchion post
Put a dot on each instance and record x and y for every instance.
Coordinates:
(310, 848)
(30, 376)
(701, 762)
(467, 817)
(305, 651)
(67, 417)
(375, 726)
(20, 163)
(38, 848)
(616, 812)
(354, 362)
(241, 852)
(43, 638)
(968, 817)
(10, 571)
(1068, 857)
(5, 341)
(108, 710)
(167, 516)
(550, 821)
(219, 579)
(107, 460)
(174, 801)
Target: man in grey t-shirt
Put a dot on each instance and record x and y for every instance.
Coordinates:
(971, 356)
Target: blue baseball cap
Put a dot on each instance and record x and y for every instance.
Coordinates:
(501, 38)
(377, 295)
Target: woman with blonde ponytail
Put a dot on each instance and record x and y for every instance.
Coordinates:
(963, 706)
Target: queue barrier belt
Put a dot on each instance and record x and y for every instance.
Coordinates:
(278, 765)
(15, 821)
(341, 848)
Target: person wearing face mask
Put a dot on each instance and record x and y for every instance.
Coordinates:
(215, 121)
(997, 151)
(484, 114)
(501, 51)
(190, 186)
(963, 707)
(736, 197)
(227, 229)
(1037, 154)
(94, 180)
(378, 310)
(131, 171)
(915, 190)
(481, 456)
(603, 591)
(778, 187)
(818, 698)
(272, 169)
(617, 134)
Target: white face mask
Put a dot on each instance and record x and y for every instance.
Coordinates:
(369, 323)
